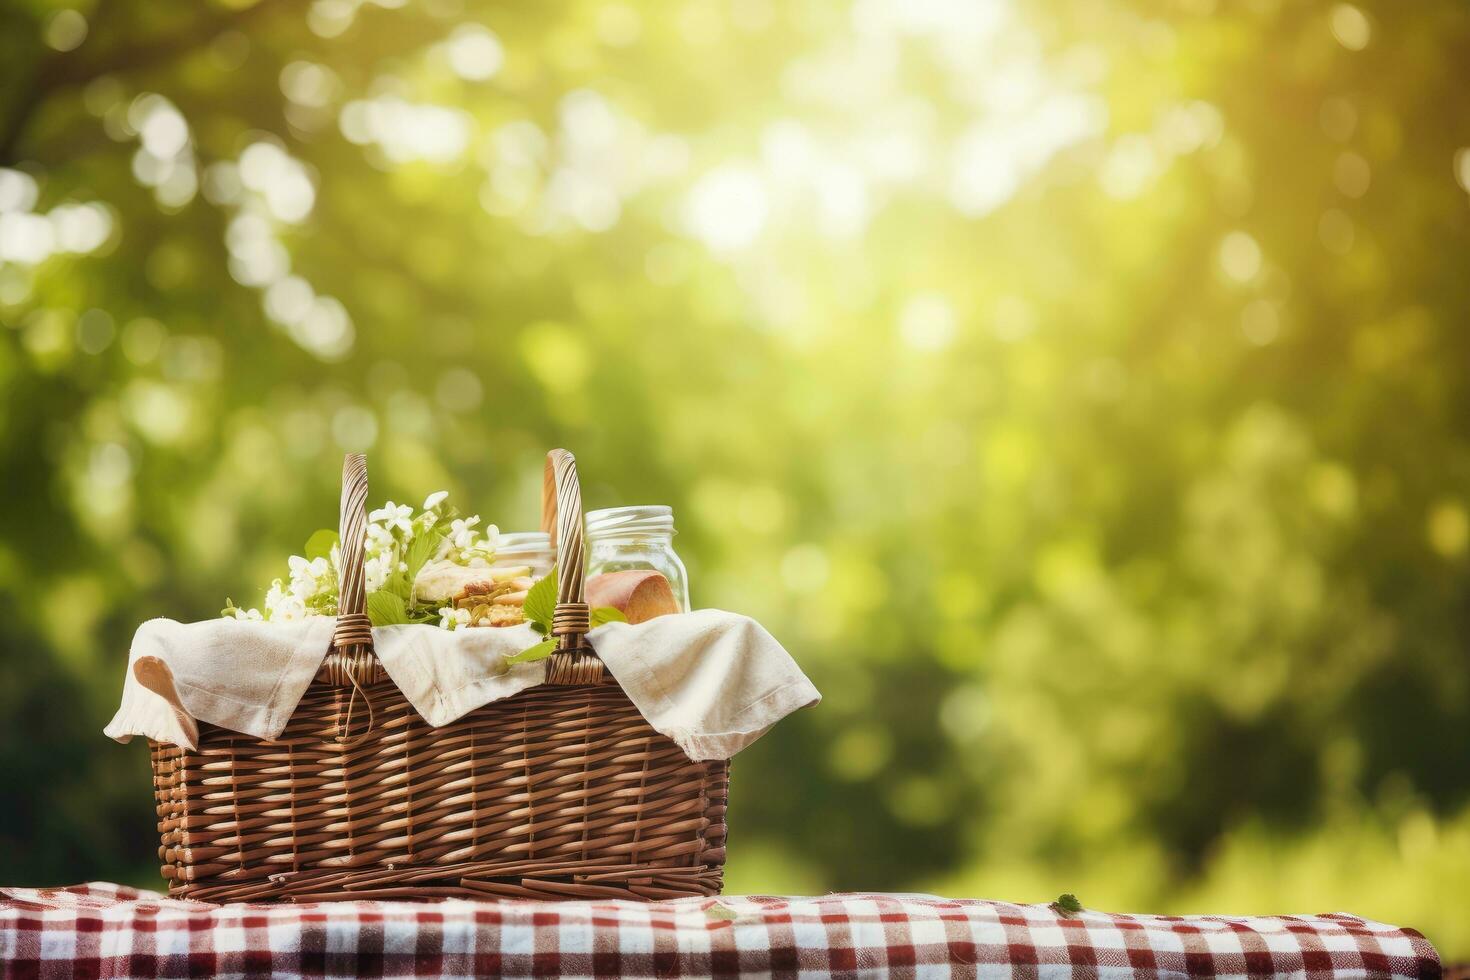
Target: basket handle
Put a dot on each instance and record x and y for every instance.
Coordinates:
(354, 632)
(561, 517)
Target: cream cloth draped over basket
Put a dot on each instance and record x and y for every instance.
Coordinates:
(562, 789)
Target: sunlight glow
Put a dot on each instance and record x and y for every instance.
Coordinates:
(407, 131)
(995, 156)
(474, 53)
(1351, 27)
(727, 208)
(281, 181)
(164, 159)
(28, 238)
(927, 322)
(1240, 256)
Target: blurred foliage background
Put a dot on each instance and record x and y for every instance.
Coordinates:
(1077, 387)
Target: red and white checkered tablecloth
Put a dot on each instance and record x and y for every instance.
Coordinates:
(103, 930)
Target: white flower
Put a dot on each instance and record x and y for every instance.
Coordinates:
(462, 533)
(310, 586)
(375, 571)
(306, 574)
(308, 577)
(394, 517)
(451, 618)
(379, 539)
(282, 606)
(288, 610)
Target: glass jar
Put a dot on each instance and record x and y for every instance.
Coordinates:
(531, 548)
(621, 538)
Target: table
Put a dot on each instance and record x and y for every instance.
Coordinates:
(105, 930)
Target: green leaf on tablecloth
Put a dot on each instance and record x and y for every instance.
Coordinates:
(540, 651)
(1067, 905)
(721, 913)
(607, 614)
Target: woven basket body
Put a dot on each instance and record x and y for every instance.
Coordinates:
(561, 791)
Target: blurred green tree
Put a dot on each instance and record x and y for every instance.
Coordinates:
(1077, 388)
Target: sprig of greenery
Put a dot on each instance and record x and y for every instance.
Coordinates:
(394, 604)
(1066, 905)
(540, 607)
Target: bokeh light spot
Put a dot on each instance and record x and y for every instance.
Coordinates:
(95, 331)
(860, 753)
(354, 428)
(142, 340)
(927, 322)
(66, 30)
(459, 390)
(309, 84)
(1240, 256)
(805, 568)
(18, 190)
(1448, 528)
(1351, 26)
(727, 209)
(1462, 168)
(474, 53)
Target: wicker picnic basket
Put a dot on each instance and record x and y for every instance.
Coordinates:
(561, 791)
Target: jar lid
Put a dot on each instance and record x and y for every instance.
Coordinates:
(517, 542)
(630, 520)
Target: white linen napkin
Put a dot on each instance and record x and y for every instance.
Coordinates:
(712, 681)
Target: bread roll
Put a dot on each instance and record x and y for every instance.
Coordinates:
(639, 594)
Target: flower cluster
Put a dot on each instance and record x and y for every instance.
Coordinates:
(395, 537)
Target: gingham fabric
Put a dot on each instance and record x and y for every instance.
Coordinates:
(105, 930)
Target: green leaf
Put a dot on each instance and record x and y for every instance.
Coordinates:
(424, 547)
(320, 544)
(386, 609)
(1067, 905)
(541, 600)
(721, 913)
(540, 651)
(607, 614)
(541, 628)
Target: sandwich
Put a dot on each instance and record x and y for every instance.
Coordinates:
(475, 596)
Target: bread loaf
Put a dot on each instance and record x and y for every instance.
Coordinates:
(639, 594)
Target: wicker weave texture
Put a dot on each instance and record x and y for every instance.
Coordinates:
(561, 791)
